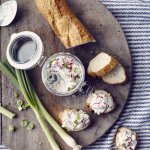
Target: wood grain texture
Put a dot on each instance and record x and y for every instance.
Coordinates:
(110, 39)
(0, 94)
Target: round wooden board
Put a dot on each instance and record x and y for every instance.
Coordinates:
(109, 38)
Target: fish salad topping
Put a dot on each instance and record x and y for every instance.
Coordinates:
(126, 139)
(75, 120)
(100, 102)
(64, 73)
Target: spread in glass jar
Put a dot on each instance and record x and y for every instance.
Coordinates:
(63, 74)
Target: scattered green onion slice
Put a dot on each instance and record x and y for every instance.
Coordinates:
(7, 113)
(24, 123)
(20, 79)
(19, 108)
(23, 107)
(19, 102)
(30, 126)
(26, 105)
(11, 128)
(16, 94)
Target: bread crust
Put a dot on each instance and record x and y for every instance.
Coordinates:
(105, 70)
(91, 73)
(64, 22)
(121, 82)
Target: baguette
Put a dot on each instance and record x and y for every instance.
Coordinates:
(101, 65)
(116, 76)
(64, 22)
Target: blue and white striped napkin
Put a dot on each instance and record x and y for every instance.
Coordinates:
(134, 17)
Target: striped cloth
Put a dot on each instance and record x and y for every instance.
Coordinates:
(134, 17)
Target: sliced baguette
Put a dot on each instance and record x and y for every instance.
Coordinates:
(106, 98)
(117, 138)
(90, 72)
(61, 115)
(116, 76)
(101, 65)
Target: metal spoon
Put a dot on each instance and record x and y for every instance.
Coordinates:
(8, 12)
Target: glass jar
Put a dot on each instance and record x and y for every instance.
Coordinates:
(63, 74)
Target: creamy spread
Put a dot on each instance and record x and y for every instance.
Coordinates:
(63, 74)
(75, 120)
(126, 139)
(100, 102)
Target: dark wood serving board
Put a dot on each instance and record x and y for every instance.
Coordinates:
(109, 38)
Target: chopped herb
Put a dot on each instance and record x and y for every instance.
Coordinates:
(78, 117)
(50, 63)
(65, 65)
(24, 107)
(78, 76)
(74, 80)
(76, 122)
(74, 69)
(30, 126)
(19, 102)
(11, 128)
(19, 108)
(16, 95)
(6, 112)
(24, 123)
(70, 89)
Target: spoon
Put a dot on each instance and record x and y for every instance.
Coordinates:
(8, 12)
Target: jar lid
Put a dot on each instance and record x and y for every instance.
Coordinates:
(24, 50)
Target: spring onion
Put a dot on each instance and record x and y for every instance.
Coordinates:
(24, 106)
(11, 128)
(22, 83)
(7, 113)
(29, 95)
(30, 126)
(19, 102)
(16, 95)
(20, 108)
(24, 123)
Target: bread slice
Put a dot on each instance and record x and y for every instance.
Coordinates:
(116, 76)
(117, 137)
(90, 72)
(101, 65)
(86, 121)
(106, 98)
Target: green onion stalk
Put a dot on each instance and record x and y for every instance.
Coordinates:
(22, 82)
(7, 113)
